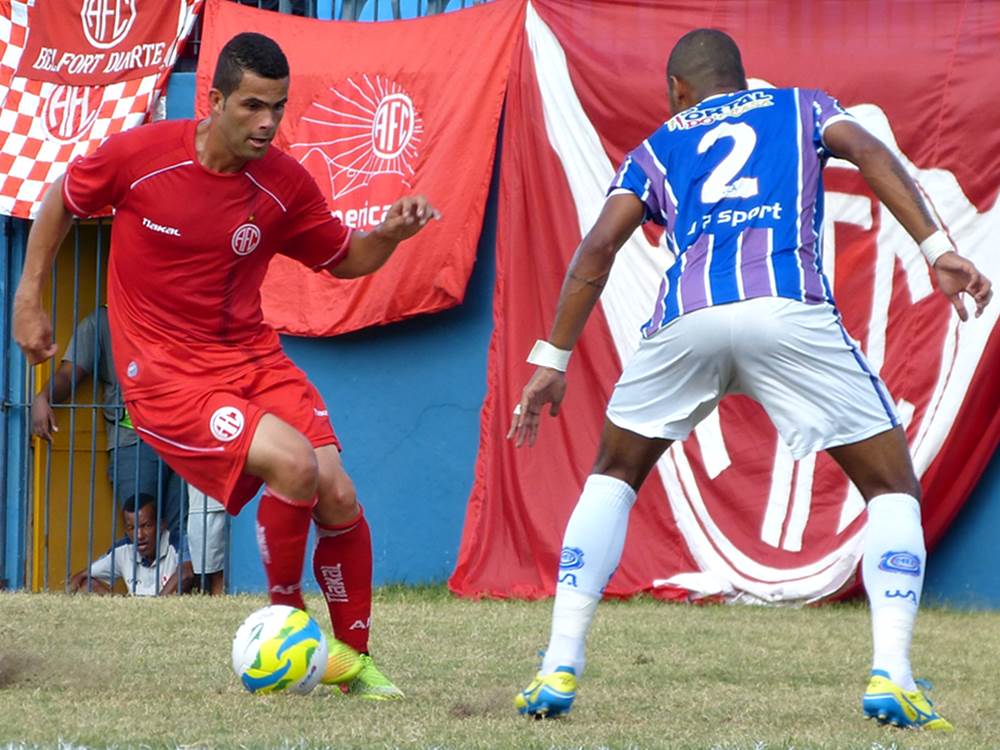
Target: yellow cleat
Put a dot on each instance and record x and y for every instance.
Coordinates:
(343, 663)
(888, 703)
(548, 695)
(371, 684)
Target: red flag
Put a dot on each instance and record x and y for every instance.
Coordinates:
(375, 112)
(97, 42)
(86, 70)
(730, 505)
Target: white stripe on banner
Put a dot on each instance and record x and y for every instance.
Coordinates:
(629, 295)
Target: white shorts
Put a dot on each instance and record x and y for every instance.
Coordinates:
(795, 360)
(206, 530)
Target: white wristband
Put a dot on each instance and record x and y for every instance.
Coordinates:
(544, 354)
(935, 246)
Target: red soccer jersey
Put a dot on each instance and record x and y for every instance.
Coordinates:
(190, 247)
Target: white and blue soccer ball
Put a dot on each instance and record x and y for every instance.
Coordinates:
(279, 648)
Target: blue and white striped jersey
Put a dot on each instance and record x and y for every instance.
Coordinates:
(736, 182)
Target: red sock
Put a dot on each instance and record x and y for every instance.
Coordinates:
(342, 564)
(282, 532)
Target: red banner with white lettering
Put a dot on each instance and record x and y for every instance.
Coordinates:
(729, 512)
(97, 42)
(376, 112)
(73, 72)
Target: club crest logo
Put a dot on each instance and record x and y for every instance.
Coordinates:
(245, 239)
(106, 23)
(361, 129)
(226, 423)
(70, 111)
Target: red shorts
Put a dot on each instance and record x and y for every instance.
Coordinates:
(204, 429)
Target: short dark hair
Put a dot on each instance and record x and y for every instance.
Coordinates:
(137, 502)
(707, 58)
(257, 53)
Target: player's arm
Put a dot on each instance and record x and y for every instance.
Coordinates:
(897, 190)
(585, 279)
(368, 251)
(56, 391)
(32, 327)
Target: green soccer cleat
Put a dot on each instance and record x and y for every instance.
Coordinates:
(343, 663)
(548, 696)
(371, 684)
(888, 703)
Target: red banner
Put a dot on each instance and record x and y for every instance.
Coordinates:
(60, 97)
(729, 511)
(97, 42)
(375, 112)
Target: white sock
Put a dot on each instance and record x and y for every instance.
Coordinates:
(893, 573)
(592, 548)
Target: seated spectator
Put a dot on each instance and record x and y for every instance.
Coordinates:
(145, 559)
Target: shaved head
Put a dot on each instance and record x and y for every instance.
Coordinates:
(707, 59)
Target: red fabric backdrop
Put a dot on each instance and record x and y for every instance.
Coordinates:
(375, 112)
(730, 505)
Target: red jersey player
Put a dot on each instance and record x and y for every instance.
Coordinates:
(200, 209)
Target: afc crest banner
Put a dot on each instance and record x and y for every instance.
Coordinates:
(728, 512)
(377, 111)
(73, 72)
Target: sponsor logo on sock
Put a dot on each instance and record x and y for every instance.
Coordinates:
(900, 562)
(569, 579)
(571, 558)
(333, 583)
(897, 594)
(279, 589)
(265, 554)
(361, 624)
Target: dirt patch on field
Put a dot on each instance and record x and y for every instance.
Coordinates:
(16, 669)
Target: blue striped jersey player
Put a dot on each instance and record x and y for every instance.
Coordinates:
(735, 179)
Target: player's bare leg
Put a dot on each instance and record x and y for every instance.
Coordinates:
(282, 456)
(342, 564)
(592, 549)
(893, 572)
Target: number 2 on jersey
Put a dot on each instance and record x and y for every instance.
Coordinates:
(720, 183)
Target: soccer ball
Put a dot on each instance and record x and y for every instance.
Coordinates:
(279, 648)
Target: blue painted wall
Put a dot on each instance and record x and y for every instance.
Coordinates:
(13, 423)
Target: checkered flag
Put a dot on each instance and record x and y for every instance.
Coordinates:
(44, 125)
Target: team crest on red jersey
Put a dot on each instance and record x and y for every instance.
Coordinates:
(245, 239)
(227, 423)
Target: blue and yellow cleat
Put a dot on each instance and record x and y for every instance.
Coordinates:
(888, 703)
(548, 695)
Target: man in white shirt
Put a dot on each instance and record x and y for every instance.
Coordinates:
(147, 562)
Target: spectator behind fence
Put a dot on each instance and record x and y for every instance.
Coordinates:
(147, 567)
(133, 467)
(206, 528)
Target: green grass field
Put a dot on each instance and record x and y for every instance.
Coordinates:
(129, 673)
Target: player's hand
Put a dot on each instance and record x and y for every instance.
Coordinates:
(406, 217)
(33, 331)
(43, 419)
(957, 276)
(547, 386)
